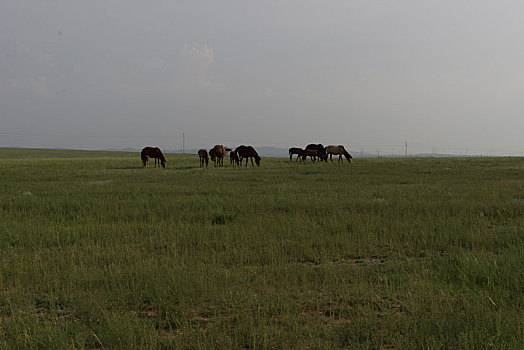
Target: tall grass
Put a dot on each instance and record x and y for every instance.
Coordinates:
(97, 252)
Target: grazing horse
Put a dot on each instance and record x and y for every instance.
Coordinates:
(248, 152)
(338, 150)
(313, 153)
(320, 148)
(202, 154)
(233, 158)
(217, 155)
(295, 150)
(152, 152)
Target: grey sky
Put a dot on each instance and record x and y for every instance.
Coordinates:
(445, 76)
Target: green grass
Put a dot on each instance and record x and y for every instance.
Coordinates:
(97, 252)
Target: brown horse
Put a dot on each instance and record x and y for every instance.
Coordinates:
(313, 153)
(152, 152)
(295, 150)
(202, 154)
(248, 152)
(233, 158)
(338, 150)
(217, 155)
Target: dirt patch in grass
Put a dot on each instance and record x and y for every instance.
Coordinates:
(364, 259)
(356, 260)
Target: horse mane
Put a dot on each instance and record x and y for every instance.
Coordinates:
(160, 154)
(255, 154)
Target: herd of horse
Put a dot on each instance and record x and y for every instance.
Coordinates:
(321, 153)
(236, 157)
(219, 152)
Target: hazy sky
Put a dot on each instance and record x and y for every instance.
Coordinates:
(442, 75)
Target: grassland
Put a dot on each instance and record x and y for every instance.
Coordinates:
(96, 252)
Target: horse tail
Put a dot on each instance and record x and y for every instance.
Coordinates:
(144, 157)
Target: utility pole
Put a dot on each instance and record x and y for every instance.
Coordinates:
(183, 143)
(406, 148)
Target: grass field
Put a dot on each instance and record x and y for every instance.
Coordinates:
(406, 253)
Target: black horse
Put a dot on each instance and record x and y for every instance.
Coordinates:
(320, 148)
(247, 152)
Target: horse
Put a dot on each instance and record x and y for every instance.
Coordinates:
(248, 152)
(313, 153)
(233, 158)
(320, 148)
(217, 155)
(202, 154)
(295, 150)
(152, 152)
(338, 150)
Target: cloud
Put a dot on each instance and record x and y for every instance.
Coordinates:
(156, 62)
(199, 59)
(201, 52)
(267, 91)
(39, 85)
(33, 56)
(203, 81)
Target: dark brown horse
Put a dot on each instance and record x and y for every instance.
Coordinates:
(202, 154)
(233, 158)
(152, 152)
(248, 152)
(313, 153)
(340, 150)
(295, 150)
(320, 148)
(217, 155)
